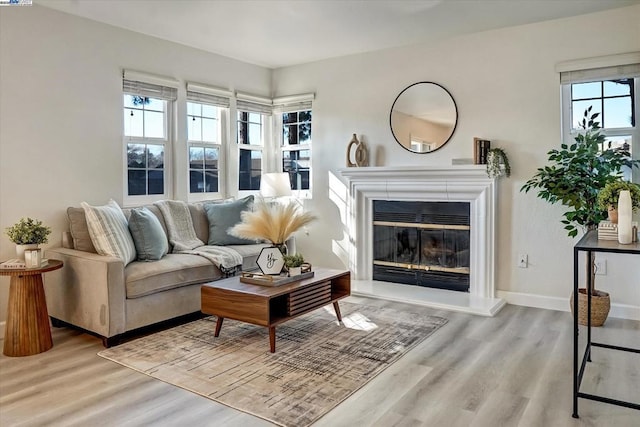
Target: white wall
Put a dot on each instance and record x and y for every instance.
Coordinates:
(61, 111)
(507, 91)
(61, 122)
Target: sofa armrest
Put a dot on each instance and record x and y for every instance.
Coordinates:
(88, 292)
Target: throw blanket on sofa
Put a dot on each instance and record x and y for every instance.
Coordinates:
(183, 237)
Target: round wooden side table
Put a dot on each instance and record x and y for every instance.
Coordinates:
(27, 331)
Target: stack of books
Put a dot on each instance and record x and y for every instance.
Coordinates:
(609, 231)
(480, 149)
(13, 263)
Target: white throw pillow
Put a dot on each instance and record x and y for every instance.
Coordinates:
(109, 231)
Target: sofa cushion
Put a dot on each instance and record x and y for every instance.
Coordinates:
(109, 231)
(200, 222)
(79, 230)
(148, 236)
(172, 271)
(222, 216)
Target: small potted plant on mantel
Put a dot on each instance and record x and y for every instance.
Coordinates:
(608, 197)
(27, 234)
(498, 163)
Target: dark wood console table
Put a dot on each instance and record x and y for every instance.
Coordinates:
(589, 244)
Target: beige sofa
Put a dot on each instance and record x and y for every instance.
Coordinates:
(100, 295)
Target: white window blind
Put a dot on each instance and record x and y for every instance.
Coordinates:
(600, 68)
(149, 85)
(293, 103)
(254, 104)
(208, 95)
(596, 74)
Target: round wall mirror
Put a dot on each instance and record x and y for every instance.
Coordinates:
(423, 117)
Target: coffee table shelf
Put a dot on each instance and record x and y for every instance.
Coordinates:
(270, 306)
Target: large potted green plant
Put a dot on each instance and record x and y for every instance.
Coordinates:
(576, 173)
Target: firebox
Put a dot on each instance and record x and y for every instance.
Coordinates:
(422, 243)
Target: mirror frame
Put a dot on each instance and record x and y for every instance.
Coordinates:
(455, 125)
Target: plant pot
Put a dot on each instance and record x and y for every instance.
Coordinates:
(613, 214)
(295, 271)
(600, 305)
(21, 248)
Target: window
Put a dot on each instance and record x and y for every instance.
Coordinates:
(250, 144)
(145, 130)
(611, 92)
(207, 110)
(296, 148)
(147, 106)
(294, 127)
(254, 114)
(203, 123)
(613, 99)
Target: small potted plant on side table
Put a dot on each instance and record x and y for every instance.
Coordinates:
(608, 197)
(27, 234)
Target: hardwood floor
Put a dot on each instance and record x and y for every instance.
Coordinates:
(510, 370)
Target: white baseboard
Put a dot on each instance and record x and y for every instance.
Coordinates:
(620, 311)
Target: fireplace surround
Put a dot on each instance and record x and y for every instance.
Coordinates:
(460, 183)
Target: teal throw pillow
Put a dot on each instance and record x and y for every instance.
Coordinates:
(223, 216)
(148, 235)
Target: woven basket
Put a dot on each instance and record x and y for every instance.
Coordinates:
(600, 305)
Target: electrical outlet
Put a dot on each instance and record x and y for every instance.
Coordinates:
(523, 261)
(600, 266)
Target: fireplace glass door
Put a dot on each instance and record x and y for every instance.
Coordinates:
(422, 243)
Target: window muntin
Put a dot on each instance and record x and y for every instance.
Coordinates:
(145, 131)
(203, 136)
(296, 148)
(613, 99)
(250, 146)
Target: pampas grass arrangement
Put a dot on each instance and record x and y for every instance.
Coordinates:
(274, 222)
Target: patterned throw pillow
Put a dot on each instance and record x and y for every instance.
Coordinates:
(109, 231)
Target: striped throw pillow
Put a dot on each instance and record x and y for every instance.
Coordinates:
(109, 231)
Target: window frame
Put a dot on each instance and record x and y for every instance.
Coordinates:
(569, 133)
(167, 145)
(285, 147)
(262, 148)
(222, 113)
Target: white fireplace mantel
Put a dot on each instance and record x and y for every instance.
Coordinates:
(462, 183)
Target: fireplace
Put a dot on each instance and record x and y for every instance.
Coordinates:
(449, 185)
(422, 243)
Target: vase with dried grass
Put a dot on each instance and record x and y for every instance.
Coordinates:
(274, 222)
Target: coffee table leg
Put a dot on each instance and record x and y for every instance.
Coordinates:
(218, 326)
(337, 308)
(272, 338)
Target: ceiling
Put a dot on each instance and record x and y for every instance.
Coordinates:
(280, 33)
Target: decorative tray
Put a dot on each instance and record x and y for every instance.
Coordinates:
(271, 279)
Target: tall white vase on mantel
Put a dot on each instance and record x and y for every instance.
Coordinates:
(625, 235)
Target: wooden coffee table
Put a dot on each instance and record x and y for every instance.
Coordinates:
(271, 305)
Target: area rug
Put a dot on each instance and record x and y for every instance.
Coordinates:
(317, 364)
